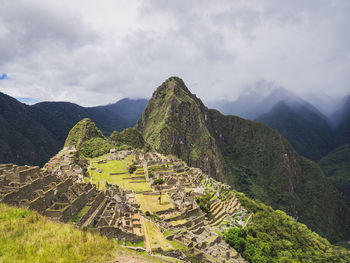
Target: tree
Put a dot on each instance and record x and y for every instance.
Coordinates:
(158, 182)
(132, 168)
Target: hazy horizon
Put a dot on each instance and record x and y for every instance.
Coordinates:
(93, 53)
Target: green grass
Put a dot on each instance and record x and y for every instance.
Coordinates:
(76, 218)
(150, 203)
(117, 167)
(272, 236)
(155, 235)
(27, 236)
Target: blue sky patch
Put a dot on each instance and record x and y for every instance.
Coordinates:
(3, 76)
(27, 100)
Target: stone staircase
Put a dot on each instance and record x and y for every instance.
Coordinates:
(60, 198)
(220, 209)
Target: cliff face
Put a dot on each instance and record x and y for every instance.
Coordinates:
(174, 122)
(83, 131)
(249, 156)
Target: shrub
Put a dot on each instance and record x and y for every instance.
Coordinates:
(158, 181)
(204, 203)
(95, 147)
(132, 168)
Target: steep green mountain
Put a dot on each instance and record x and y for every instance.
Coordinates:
(303, 126)
(130, 137)
(251, 157)
(341, 123)
(22, 138)
(336, 166)
(88, 139)
(174, 121)
(32, 134)
(255, 101)
(60, 117)
(83, 131)
(272, 236)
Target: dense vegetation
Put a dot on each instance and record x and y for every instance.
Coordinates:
(23, 140)
(272, 236)
(341, 123)
(251, 157)
(129, 137)
(27, 236)
(336, 166)
(303, 126)
(132, 168)
(95, 147)
(173, 123)
(83, 131)
(204, 203)
(32, 134)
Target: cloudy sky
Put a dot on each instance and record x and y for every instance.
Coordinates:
(96, 52)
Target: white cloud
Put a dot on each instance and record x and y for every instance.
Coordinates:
(93, 53)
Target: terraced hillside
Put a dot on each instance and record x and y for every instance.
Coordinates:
(26, 236)
(249, 156)
(169, 219)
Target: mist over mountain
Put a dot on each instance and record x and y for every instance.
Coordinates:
(303, 126)
(340, 121)
(31, 134)
(251, 157)
(254, 102)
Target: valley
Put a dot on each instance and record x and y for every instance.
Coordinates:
(199, 187)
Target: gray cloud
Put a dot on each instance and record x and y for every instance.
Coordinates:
(94, 53)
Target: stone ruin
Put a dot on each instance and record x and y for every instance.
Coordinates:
(114, 213)
(59, 192)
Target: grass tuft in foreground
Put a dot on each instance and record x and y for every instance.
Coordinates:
(27, 236)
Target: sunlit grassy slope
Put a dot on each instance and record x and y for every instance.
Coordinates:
(124, 180)
(26, 236)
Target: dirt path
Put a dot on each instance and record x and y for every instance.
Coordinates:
(147, 242)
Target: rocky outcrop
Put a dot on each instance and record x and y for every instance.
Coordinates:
(174, 122)
(251, 157)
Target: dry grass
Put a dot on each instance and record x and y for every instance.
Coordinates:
(27, 236)
(150, 203)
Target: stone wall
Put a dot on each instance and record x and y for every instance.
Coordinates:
(98, 200)
(112, 232)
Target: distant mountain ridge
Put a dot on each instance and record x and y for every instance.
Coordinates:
(256, 101)
(251, 157)
(303, 126)
(310, 131)
(32, 134)
(341, 123)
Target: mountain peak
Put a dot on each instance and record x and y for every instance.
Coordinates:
(83, 131)
(173, 85)
(174, 122)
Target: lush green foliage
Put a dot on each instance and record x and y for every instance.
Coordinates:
(336, 166)
(204, 203)
(341, 122)
(129, 137)
(95, 147)
(262, 164)
(132, 168)
(250, 156)
(173, 123)
(32, 134)
(272, 236)
(303, 126)
(83, 131)
(158, 181)
(28, 237)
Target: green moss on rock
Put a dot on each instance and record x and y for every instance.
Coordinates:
(129, 137)
(83, 131)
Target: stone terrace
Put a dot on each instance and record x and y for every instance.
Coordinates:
(59, 191)
(114, 213)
